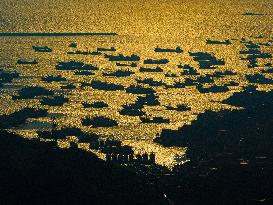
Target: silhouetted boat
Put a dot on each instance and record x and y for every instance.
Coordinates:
(83, 52)
(264, 44)
(188, 70)
(154, 120)
(71, 65)
(42, 49)
(206, 60)
(124, 64)
(157, 69)
(27, 62)
(251, 52)
(75, 65)
(179, 108)
(54, 101)
(137, 89)
(112, 49)
(168, 50)
(224, 73)
(176, 85)
(120, 57)
(252, 14)
(232, 83)
(213, 89)
(130, 110)
(7, 76)
(160, 61)
(95, 84)
(32, 92)
(99, 122)
(119, 73)
(251, 45)
(84, 72)
(225, 42)
(171, 75)
(99, 104)
(51, 78)
(180, 65)
(69, 86)
(258, 78)
(150, 81)
(72, 45)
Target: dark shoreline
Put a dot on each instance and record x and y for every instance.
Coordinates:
(33, 172)
(54, 34)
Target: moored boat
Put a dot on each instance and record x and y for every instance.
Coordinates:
(27, 62)
(154, 120)
(112, 49)
(168, 50)
(120, 57)
(42, 49)
(160, 61)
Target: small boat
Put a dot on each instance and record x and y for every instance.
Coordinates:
(157, 69)
(119, 73)
(150, 82)
(168, 50)
(95, 84)
(124, 64)
(137, 89)
(99, 122)
(112, 49)
(69, 86)
(42, 49)
(206, 60)
(84, 52)
(171, 75)
(180, 108)
(252, 14)
(212, 89)
(72, 45)
(251, 52)
(120, 57)
(225, 42)
(160, 61)
(130, 110)
(154, 120)
(27, 62)
(84, 72)
(99, 104)
(51, 78)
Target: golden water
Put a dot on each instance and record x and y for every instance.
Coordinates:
(141, 26)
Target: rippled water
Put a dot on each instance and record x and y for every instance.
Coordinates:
(141, 27)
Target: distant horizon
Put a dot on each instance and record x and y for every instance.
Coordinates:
(22, 34)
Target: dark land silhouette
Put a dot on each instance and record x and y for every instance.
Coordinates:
(32, 172)
(230, 152)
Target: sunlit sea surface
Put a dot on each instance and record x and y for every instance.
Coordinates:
(141, 27)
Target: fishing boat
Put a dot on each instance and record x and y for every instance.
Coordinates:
(120, 57)
(225, 42)
(112, 49)
(119, 73)
(157, 69)
(160, 61)
(124, 64)
(72, 45)
(84, 52)
(27, 62)
(168, 50)
(154, 120)
(42, 49)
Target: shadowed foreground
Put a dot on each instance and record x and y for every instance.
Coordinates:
(230, 152)
(37, 173)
